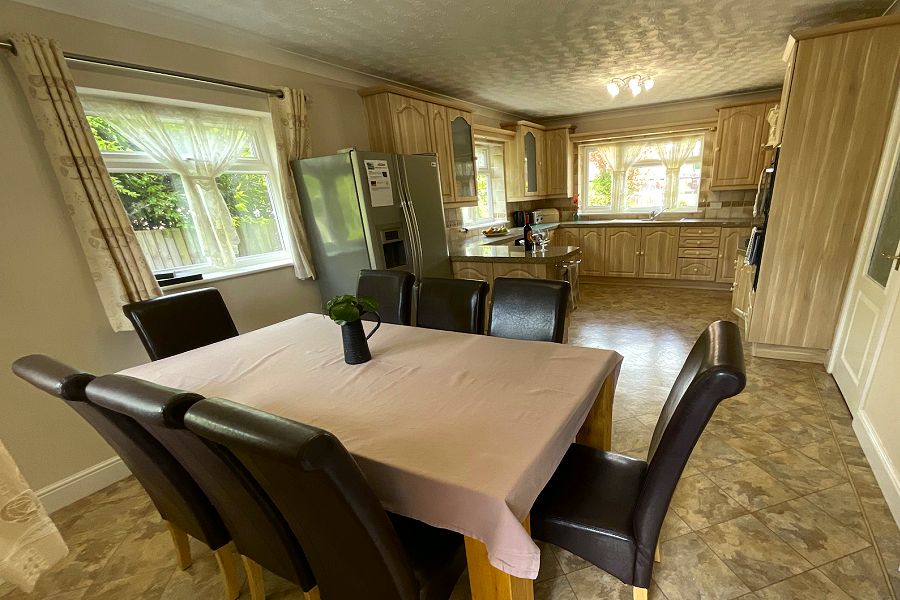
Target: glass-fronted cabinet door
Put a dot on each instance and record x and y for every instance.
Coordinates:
(463, 155)
(531, 177)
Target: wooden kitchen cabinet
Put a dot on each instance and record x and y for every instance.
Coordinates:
(567, 236)
(473, 270)
(533, 151)
(697, 269)
(659, 252)
(741, 135)
(593, 250)
(623, 251)
(540, 165)
(558, 161)
(408, 122)
(728, 251)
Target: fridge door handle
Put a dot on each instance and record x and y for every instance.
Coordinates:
(412, 222)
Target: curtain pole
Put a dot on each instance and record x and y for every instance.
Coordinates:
(168, 73)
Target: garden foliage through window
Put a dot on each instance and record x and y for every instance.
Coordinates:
(639, 176)
(490, 185)
(199, 186)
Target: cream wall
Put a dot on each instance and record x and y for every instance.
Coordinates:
(47, 301)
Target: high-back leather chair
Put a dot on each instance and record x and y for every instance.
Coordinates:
(176, 323)
(530, 309)
(451, 304)
(261, 535)
(355, 549)
(394, 292)
(181, 503)
(608, 508)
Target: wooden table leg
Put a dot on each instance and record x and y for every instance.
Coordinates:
(490, 583)
(597, 429)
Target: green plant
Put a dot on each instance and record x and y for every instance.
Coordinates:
(347, 309)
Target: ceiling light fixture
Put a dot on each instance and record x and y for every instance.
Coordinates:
(635, 83)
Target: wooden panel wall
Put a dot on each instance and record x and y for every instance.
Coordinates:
(841, 97)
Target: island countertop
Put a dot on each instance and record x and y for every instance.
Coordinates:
(516, 254)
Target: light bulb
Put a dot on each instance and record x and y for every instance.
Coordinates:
(648, 84)
(635, 85)
(613, 88)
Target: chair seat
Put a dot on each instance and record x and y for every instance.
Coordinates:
(437, 555)
(587, 508)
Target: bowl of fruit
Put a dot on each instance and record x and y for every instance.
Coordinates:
(496, 231)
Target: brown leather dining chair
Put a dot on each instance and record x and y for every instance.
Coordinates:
(451, 304)
(356, 550)
(608, 508)
(530, 309)
(260, 534)
(176, 323)
(180, 501)
(393, 290)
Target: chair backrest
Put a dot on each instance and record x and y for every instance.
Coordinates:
(257, 527)
(176, 496)
(349, 541)
(712, 372)
(451, 304)
(176, 323)
(529, 309)
(393, 290)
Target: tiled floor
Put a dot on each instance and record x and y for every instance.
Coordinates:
(777, 502)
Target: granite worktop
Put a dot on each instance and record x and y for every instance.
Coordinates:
(517, 254)
(659, 223)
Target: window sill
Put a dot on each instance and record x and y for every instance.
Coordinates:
(486, 225)
(231, 274)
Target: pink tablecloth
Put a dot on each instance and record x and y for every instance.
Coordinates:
(459, 431)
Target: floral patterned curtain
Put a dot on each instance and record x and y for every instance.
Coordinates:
(674, 154)
(118, 266)
(29, 541)
(619, 157)
(292, 143)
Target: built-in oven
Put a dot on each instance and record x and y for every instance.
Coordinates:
(761, 207)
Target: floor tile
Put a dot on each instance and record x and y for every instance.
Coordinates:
(753, 552)
(550, 568)
(799, 472)
(811, 585)
(673, 526)
(791, 429)
(569, 562)
(859, 575)
(841, 504)
(750, 486)
(826, 453)
(712, 452)
(810, 531)
(690, 570)
(750, 440)
(700, 503)
(554, 589)
(146, 586)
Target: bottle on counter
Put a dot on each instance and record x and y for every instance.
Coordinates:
(527, 235)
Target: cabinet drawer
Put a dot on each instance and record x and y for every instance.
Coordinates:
(697, 253)
(697, 269)
(700, 231)
(699, 242)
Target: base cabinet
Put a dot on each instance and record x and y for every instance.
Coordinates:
(623, 251)
(567, 236)
(697, 269)
(593, 250)
(659, 252)
(728, 251)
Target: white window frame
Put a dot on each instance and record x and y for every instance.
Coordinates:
(492, 218)
(583, 183)
(263, 142)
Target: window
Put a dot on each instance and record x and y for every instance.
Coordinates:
(490, 185)
(199, 186)
(640, 176)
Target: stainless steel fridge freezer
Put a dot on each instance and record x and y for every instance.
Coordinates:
(371, 210)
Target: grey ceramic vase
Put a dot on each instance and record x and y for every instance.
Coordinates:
(356, 346)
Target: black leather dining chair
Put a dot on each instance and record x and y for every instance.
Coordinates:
(176, 323)
(451, 304)
(394, 292)
(356, 550)
(530, 309)
(260, 534)
(608, 508)
(181, 503)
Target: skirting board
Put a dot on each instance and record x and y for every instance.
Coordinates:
(884, 470)
(82, 484)
(811, 355)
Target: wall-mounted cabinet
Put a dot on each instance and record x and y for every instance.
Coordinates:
(740, 152)
(406, 122)
(540, 165)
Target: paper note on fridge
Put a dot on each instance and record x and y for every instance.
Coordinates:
(379, 177)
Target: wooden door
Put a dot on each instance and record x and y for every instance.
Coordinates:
(623, 251)
(659, 252)
(440, 142)
(593, 249)
(728, 247)
(462, 143)
(409, 119)
(541, 162)
(473, 270)
(566, 236)
(557, 160)
(737, 152)
(531, 161)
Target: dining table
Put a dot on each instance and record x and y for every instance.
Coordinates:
(456, 430)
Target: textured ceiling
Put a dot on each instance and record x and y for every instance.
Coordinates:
(541, 58)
